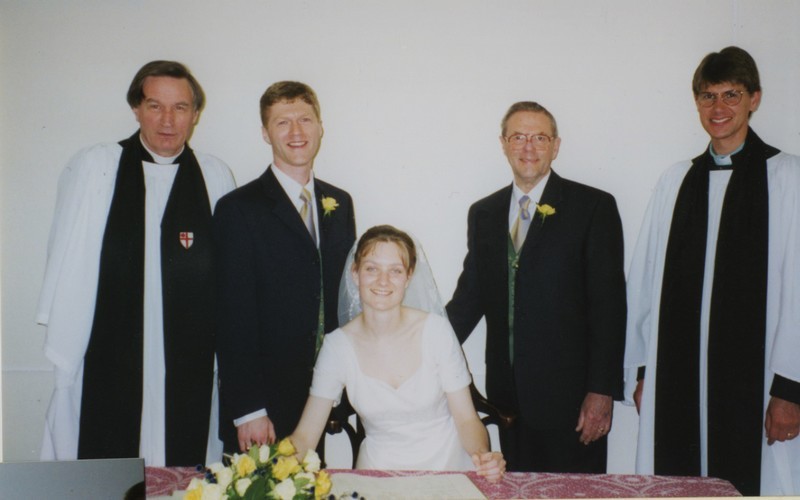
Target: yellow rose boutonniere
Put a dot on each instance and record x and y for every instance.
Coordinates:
(545, 211)
(329, 205)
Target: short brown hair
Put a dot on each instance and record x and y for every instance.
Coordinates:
(730, 64)
(387, 234)
(531, 106)
(172, 69)
(287, 91)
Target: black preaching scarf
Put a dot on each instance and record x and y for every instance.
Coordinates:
(111, 404)
(736, 326)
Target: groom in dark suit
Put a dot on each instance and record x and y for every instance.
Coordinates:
(545, 267)
(281, 244)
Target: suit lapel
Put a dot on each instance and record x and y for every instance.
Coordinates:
(492, 225)
(498, 218)
(282, 206)
(324, 222)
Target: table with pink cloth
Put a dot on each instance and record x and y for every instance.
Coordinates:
(163, 481)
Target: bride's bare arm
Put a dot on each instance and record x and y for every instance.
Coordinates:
(312, 423)
(473, 436)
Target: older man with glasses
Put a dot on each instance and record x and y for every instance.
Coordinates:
(714, 295)
(545, 267)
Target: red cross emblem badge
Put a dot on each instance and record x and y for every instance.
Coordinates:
(186, 238)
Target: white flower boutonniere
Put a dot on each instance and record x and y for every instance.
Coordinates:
(329, 205)
(545, 211)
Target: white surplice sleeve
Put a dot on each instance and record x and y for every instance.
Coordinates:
(645, 275)
(217, 177)
(784, 255)
(67, 300)
(780, 462)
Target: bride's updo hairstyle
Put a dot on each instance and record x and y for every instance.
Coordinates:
(387, 234)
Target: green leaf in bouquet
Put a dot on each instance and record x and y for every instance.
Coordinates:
(257, 490)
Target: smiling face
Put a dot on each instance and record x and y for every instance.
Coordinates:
(725, 124)
(382, 277)
(166, 115)
(528, 163)
(295, 133)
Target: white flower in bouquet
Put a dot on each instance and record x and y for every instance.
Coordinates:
(304, 480)
(224, 477)
(285, 489)
(311, 462)
(216, 467)
(213, 492)
(242, 485)
(263, 453)
(306, 475)
(206, 491)
(202, 490)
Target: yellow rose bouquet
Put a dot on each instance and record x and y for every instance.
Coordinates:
(266, 471)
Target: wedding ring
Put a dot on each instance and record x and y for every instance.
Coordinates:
(788, 434)
(602, 429)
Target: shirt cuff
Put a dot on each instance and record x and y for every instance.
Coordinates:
(785, 388)
(250, 417)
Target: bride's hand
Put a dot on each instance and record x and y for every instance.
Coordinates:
(491, 465)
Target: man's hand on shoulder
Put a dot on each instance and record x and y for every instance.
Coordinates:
(783, 420)
(594, 420)
(259, 431)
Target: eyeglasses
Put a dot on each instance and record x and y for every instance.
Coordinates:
(729, 97)
(518, 141)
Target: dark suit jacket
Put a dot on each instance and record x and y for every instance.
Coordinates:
(570, 307)
(269, 293)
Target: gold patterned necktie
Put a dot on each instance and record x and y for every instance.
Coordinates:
(307, 214)
(520, 228)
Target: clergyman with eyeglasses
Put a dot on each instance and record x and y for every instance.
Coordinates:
(544, 266)
(713, 346)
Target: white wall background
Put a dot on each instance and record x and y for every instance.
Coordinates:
(412, 94)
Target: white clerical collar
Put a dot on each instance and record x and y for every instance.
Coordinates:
(292, 188)
(161, 160)
(723, 159)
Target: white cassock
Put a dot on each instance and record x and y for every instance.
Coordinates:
(780, 463)
(67, 301)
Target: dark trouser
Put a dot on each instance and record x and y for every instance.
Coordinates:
(548, 450)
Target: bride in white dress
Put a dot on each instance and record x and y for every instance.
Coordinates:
(403, 368)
